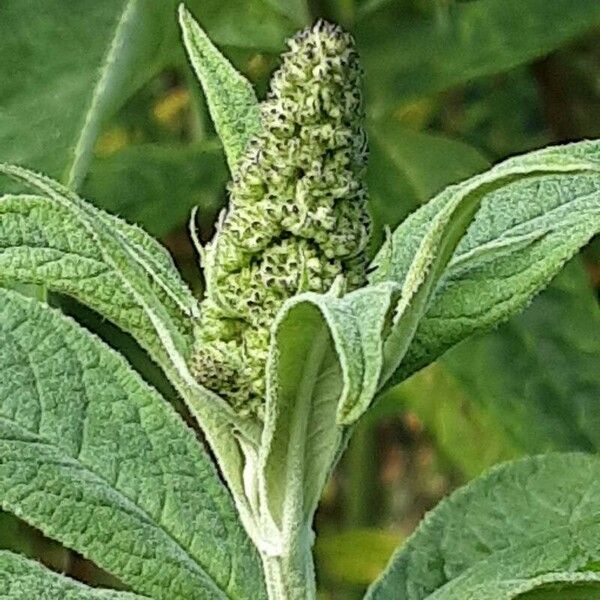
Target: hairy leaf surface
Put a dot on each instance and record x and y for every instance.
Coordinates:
(323, 372)
(23, 579)
(230, 96)
(60, 241)
(96, 459)
(523, 526)
(533, 213)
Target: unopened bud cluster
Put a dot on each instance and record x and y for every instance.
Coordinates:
(298, 213)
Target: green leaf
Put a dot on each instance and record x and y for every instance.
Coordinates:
(533, 213)
(252, 24)
(471, 39)
(124, 274)
(60, 241)
(157, 186)
(297, 10)
(95, 458)
(23, 579)
(322, 374)
(54, 103)
(520, 527)
(230, 97)
(537, 376)
(571, 590)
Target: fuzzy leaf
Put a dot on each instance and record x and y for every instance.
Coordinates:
(60, 241)
(322, 374)
(95, 458)
(68, 245)
(23, 579)
(524, 526)
(231, 99)
(533, 213)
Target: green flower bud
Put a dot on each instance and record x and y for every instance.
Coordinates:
(298, 214)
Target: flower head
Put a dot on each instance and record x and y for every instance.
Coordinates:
(298, 214)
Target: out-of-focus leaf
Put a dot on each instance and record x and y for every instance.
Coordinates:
(259, 24)
(408, 167)
(157, 186)
(538, 374)
(465, 434)
(52, 103)
(521, 526)
(354, 557)
(297, 10)
(474, 39)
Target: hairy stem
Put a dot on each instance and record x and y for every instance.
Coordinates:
(291, 576)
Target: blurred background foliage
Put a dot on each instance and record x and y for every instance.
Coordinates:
(99, 95)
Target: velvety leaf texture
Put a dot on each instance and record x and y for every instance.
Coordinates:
(60, 241)
(230, 96)
(23, 579)
(526, 525)
(536, 211)
(324, 369)
(96, 459)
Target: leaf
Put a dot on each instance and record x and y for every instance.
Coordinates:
(519, 527)
(322, 374)
(23, 579)
(61, 241)
(54, 103)
(537, 376)
(297, 10)
(95, 458)
(252, 24)
(472, 39)
(230, 97)
(125, 275)
(533, 213)
(157, 186)
(573, 590)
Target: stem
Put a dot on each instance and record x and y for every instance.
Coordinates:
(291, 576)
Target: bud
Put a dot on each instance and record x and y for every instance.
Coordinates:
(298, 213)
